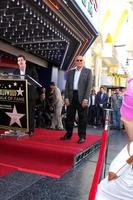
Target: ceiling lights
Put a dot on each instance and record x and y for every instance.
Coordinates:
(24, 26)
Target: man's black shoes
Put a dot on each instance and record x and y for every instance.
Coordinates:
(66, 137)
(30, 133)
(81, 140)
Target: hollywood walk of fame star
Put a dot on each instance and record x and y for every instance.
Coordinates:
(15, 84)
(20, 92)
(15, 117)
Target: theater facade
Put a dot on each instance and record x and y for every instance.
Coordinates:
(49, 33)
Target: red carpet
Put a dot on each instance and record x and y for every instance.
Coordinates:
(4, 170)
(43, 153)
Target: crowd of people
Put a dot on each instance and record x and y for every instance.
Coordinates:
(79, 100)
(101, 100)
(59, 110)
(77, 104)
(51, 108)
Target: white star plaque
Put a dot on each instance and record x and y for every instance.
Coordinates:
(15, 117)
(20, 91)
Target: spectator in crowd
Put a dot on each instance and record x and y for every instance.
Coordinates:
(101, 104)
(40, 90)
(118, 185)
(50, 100)
(23, 70)
(92, 108)
(43, 90)
(43, 118)
(57, 104)
(110, 94)
(77, 89)
(116, 101)
(63, 112)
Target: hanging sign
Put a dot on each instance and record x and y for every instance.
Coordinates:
(90, 9)
(119, 80)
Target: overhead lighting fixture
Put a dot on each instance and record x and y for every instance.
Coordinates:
(18, 3)
(55, 4)
(22, 6)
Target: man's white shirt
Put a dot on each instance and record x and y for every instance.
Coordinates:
(76, 78)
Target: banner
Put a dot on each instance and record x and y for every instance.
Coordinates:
(118, 80)
(90, 9)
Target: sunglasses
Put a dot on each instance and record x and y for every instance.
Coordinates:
(79, 60)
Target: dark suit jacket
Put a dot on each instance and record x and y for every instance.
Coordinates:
(91, 100)
(31, 71)
(84, 84)
(103, 101)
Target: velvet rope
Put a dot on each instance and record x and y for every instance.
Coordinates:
(99, 166)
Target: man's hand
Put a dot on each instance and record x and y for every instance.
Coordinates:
(101, 105)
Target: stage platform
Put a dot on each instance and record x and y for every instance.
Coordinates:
(44, 153)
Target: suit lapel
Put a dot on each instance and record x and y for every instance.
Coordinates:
(81, 76)
(17, 72)
(27, 70)
(72, 77)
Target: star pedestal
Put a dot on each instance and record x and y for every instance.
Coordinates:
(14, 134)
(14, 105)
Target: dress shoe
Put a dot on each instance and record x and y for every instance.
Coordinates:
(81, 140)
(51, 128)
(65, 137)
(60, 129)
(30, 133)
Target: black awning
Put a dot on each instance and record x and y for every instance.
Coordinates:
(38, 28)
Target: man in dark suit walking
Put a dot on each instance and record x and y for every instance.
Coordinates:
(23, 70)
(78, 86)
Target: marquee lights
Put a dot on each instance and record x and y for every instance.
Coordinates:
(26, 27)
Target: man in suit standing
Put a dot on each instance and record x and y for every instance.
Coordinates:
(101, 104)
(77, 89)
(23, 70)
(92, 109)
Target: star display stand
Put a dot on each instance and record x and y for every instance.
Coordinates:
(14, 116)
(13, 105)
(14, 133)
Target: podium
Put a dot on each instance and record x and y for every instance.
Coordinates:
(14, 114)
